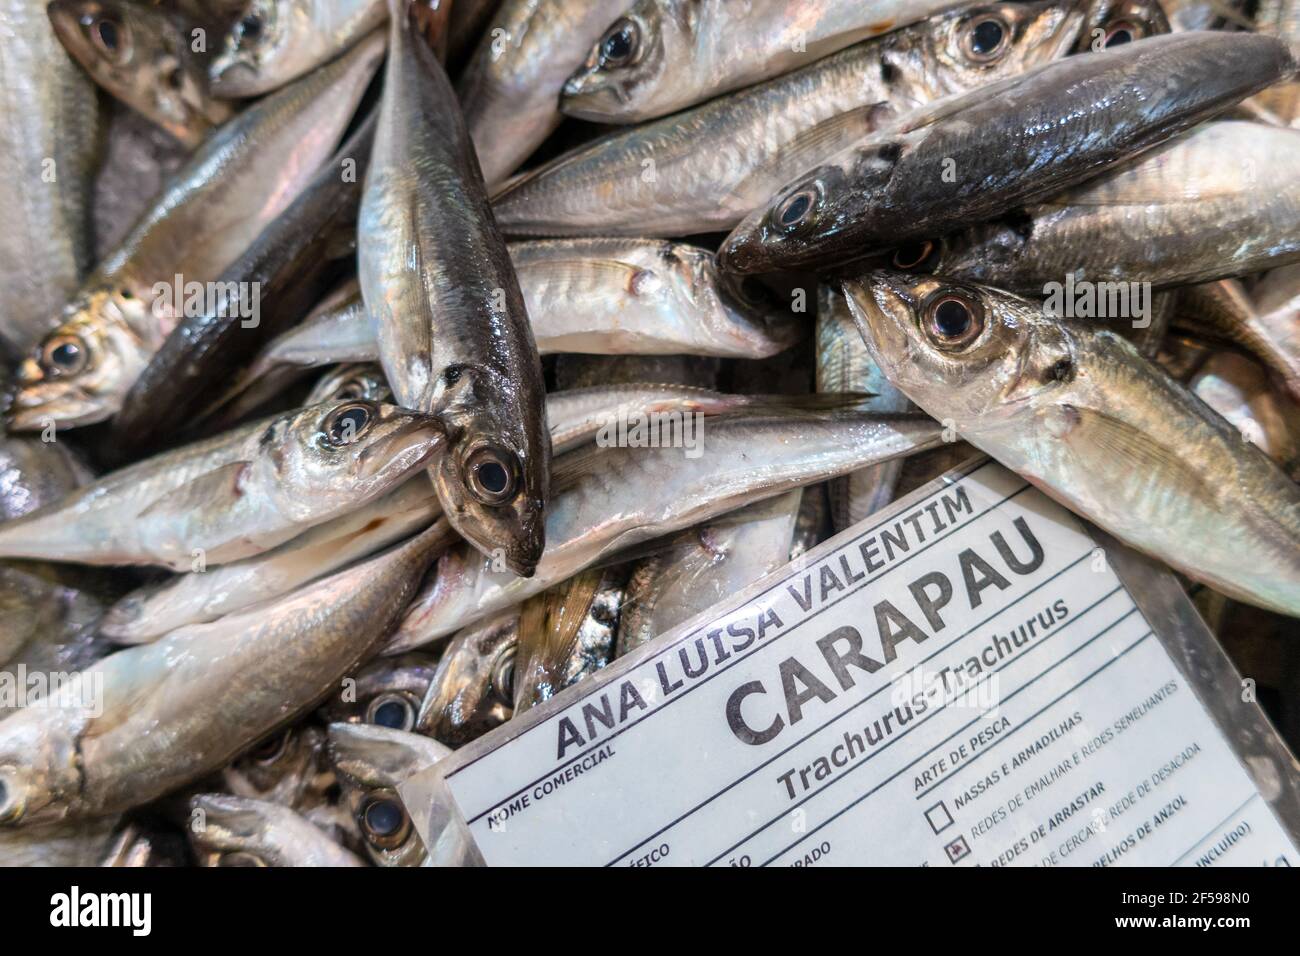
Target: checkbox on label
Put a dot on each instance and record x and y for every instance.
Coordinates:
(938, 817)
(957, 849)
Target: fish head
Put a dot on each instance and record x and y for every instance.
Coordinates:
(755, 317)
(976, 45)
(370, 762)
(361, 380)
(964, 353)
(137, 53)
(630, 61)
(39, 765)
(252, 41)
(238, 831)
(491, 482)
(80, 373)
(284, 767)
(473, 690)
(1112, 23)
(386, 692)
(348, 452)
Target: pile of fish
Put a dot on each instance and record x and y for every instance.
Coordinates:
(376, 370)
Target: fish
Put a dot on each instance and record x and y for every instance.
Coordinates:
(510, 88)
(566, 633)
(968, 158)
(288, 767)
(449, 318)
(1217, 202)
(845, 365)
(661, 56)
(238, 831)
(386, 692)
(1075, 409)
(77, 843)
(614, 497)
(261, 293)
(1281, 18)
(705, 565)
(705, 168)
(469, 19)
(363, 381)
(50, 139)
(473, 690)
(372, 761)
(274, 42)
(235, 495)
(1265, 321)
(186, 705)
(142, 55)
(1239, 390)
(243, 176)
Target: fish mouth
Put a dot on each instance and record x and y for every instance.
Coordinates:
(401, 453)
(883, 307)
(231, 76)
(743, 252)
(38, 406)
(12, 804)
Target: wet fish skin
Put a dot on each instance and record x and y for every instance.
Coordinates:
(510, 88)
(240, 831)
(661, 56)
(1009, 143)
(372, 761)
(276, 41)
(473, 690)
(180, 708)
(704, 169)
(243, 176)
(288, 767)
(276, 274)
(449, 318)
(1217, 202)
(845, 365)
(235, 495)
(386, 693)
(141, 54)
(49, 141)
(1240, 390)
(565, 634)
(1075, 409)
(705, 565)
(613, 498)
(357, 380)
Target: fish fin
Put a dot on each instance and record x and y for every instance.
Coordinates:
(562, 270)
(1103, 441)
(221, 486)
(548, 632)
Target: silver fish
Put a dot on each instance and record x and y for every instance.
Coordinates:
(473, 690)
(239, 831)
(1240, 391)
(235, 495)
(704, 169)
(1075, 409)
(184, 706)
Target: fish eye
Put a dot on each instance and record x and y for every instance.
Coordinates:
(953, 320)
(64, 355)
(250, 27)
(239, 858)
(173, 78)
(492, 475)
(1120, 32)
(920, 256)
(503, 678)
(270, 749)
(106, 34)
(395, 711)
(348, 422)
(795, 210)
(986, 40)
(619, 45)
(384, 821)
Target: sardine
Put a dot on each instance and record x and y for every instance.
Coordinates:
(704, 169)
(449, 318)
(142, 54)
(967, 158)
(243, 176)
(238, 831)
(664, 55)
(511, 86)
(170, 712)
(1220, 201)
(239, 494)
(1075, 409)
(49, 143)
(612, 498)
(276, 41)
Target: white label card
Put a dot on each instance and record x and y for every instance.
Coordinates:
(961, 681)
